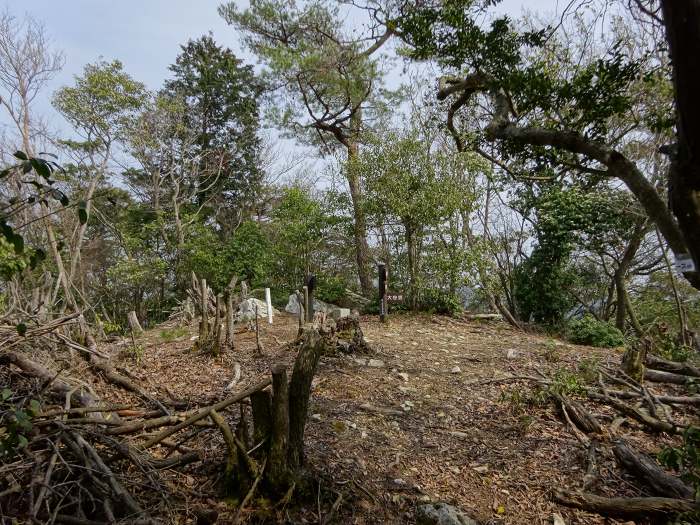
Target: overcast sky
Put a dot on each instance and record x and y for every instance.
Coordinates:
(144, 34)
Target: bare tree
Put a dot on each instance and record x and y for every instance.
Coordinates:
(27, 63)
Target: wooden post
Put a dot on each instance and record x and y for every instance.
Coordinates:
(381, 267)
(204, 308)
(634, 358)
(279, 438)
(216, 348)
(268, 303)
(134, 323)
(306, 303)
(302, 314)
(311, 287)
(230, 313)
(258, 348)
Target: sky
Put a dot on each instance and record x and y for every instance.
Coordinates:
(144, 34)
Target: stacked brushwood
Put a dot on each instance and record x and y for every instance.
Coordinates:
(68, 457)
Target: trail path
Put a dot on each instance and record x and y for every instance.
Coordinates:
(433, 414)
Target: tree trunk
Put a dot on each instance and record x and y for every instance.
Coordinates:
(624, 507)
(360, 222)
(412, 265)
(682, 20)
(299, 392)
(134, 323)
(621, 274)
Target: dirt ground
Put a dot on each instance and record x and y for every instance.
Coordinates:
(435, 413)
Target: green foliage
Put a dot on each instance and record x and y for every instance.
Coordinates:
(134, 351)
(589, 331)
(15, 423)
(36, 175)
(102, 104)
(330, 289)
(248, 254)
(588, 369)
(219, 98)
(686, 458)
(438, 301)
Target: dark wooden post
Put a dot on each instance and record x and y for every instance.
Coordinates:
(311, 287)
(381, 267)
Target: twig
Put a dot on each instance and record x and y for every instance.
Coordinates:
(249, 495)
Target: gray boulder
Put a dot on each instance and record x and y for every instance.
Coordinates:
(331, 310)
(441, 514)
(246, 310)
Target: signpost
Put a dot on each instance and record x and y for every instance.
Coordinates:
(382, 292)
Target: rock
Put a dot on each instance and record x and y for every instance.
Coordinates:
(317, 417)
(511, 353)
(441, 514)
(403, 375)
(375, 363)
(246, 310)
(331, 310)
(455, 370)
(557, 519)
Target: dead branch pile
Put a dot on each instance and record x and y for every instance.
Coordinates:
(67, 457)
(635, 404)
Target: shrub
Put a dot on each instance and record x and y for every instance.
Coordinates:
(440, 302)
(330, 289)
(590, 331)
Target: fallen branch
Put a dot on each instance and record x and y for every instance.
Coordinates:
(648, 471)
(657, 376)
(623, 507)
(655, 424)
(658, 363)
(206, 412)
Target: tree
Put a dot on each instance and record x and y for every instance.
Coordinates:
(326, 82)
(545, 117)
(220, 99)
(27, 63)
(100, 106)
(682, 21)
(409, 183)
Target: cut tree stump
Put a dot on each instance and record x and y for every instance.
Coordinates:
(134, 323)
(634, 358)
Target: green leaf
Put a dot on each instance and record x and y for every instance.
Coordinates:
(5, 394)
(22, 441)
(35, 407)
(21, 329)
(18, 242)
(36, 258)
(21, 155)
(41, 168)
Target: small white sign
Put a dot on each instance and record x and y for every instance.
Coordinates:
(684, 263)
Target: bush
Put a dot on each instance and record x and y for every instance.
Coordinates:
(330, 289)
(440, 302)
(590, 331)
